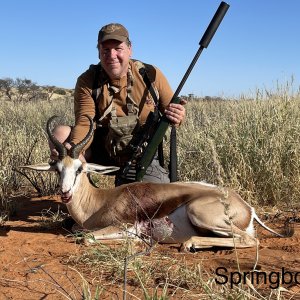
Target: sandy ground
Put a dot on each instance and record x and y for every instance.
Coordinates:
(33, 260)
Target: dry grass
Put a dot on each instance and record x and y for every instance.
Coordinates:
(256, 143)
(23, 141)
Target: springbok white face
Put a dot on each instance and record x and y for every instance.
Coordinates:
(70, 171)
(69, 167)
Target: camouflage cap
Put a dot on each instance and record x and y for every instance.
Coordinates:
(113, 31)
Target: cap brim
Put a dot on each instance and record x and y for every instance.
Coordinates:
(119, 38)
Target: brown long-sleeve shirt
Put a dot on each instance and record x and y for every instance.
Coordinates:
(84, 103)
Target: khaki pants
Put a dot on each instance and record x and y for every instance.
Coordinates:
(155, 173)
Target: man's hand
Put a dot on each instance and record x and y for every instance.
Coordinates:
(176, 112)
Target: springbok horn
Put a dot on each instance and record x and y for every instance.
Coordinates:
(76, 149)
(62, 151)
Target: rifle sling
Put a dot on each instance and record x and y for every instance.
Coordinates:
(150, 88)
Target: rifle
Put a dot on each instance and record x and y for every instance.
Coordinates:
(152, 139)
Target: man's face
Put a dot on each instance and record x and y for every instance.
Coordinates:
(114, 56)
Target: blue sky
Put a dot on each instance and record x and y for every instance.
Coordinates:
(52, 42)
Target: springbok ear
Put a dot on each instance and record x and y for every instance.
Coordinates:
(93, 168)
(39, 167)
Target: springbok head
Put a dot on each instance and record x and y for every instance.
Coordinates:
(68, 166)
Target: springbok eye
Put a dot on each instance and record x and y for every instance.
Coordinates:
(53, 165)
(79, 170)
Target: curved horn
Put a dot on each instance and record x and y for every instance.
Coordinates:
(76, 149)
(62, 151)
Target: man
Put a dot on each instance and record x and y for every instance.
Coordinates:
(119, 94)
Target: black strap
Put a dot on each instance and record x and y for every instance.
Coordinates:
(173, 155)
(95, 92)
(173, 135)
(149, 85)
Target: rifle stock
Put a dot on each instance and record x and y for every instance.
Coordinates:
(164, 122)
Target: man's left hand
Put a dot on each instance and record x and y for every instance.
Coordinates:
(176, 112)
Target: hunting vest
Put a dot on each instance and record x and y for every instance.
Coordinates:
(122, 133)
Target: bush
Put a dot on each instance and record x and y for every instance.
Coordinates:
(60, 92)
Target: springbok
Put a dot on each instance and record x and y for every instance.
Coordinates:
(196, 214)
